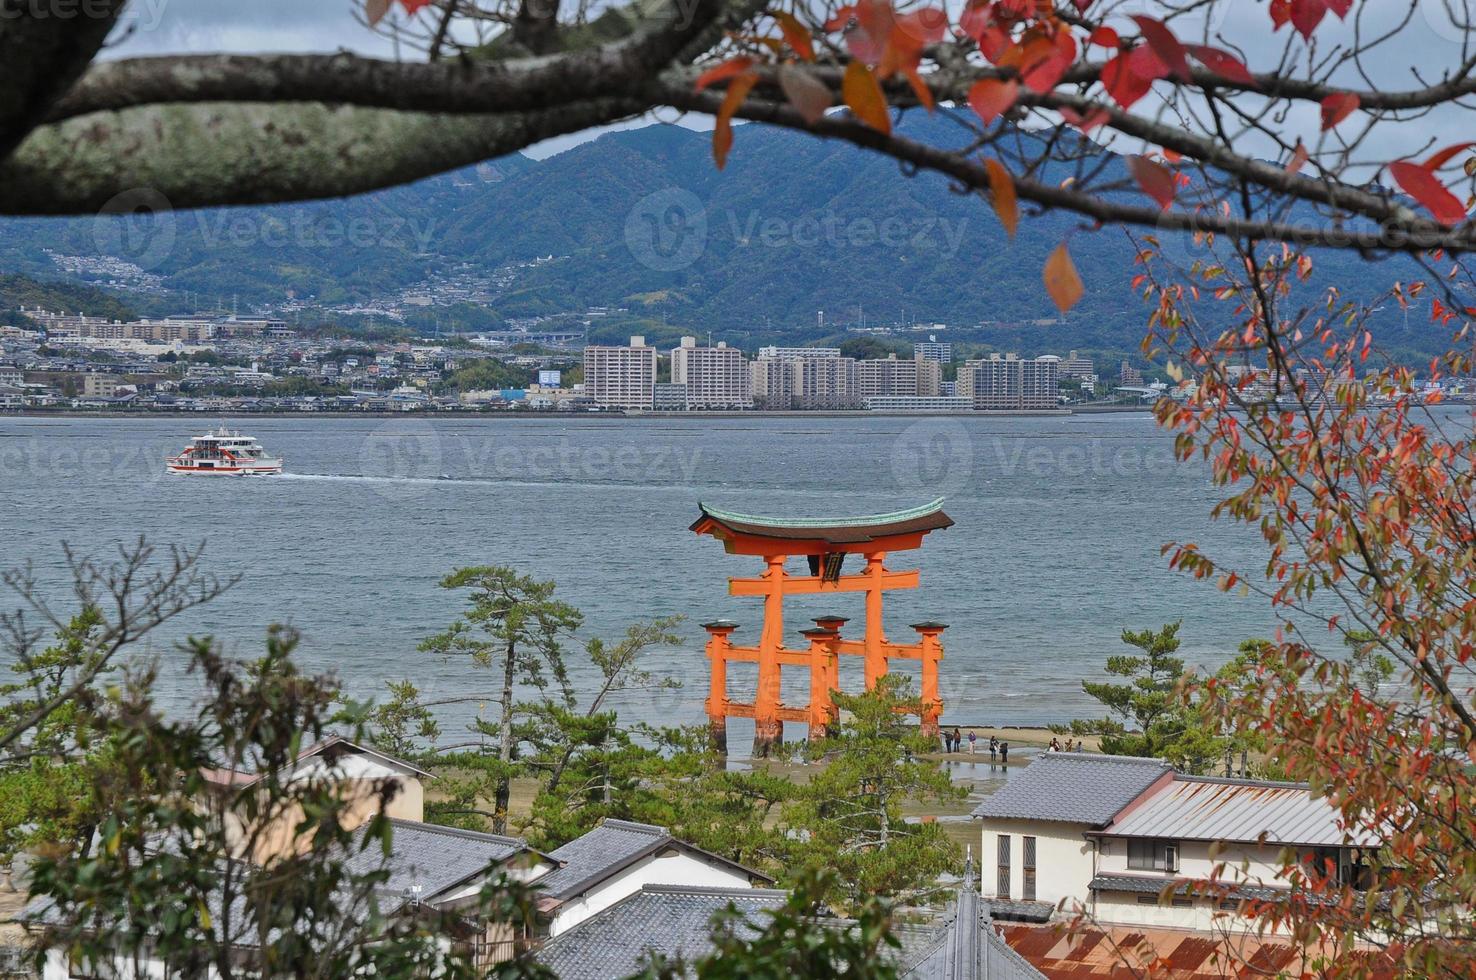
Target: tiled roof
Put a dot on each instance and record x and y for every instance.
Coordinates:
(1072, 787)
(835, 530)
(966, 946)
(667, 919)
(609, 848)
(1240, 810)
(333, 746)
(1151, 885)
(433, 858)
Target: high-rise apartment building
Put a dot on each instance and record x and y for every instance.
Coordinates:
(815, 378)
(898, 376)
(933, 350)
(1007, 382)
(716, 378)
(1076, 366)
(621, 377)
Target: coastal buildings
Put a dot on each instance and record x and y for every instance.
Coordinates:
(1073, 365)
(890, 376)
(1110, 833)
(715, 378)
(1004, 382)
(933, 350)
(812, 378)
(621, 377)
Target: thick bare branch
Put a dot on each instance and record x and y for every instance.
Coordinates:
(205, 155)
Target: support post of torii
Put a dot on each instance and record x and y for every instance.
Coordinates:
(827, 544)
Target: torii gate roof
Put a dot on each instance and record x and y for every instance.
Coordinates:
(899, 530)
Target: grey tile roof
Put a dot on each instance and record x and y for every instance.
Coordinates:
(609, 848)
(1151, 885)
(966, 946)
(1238, 810)
(590, 858)
(667, 919)
(1072, 787)
(433, 857)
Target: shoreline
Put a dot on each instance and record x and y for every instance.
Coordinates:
(594, 416)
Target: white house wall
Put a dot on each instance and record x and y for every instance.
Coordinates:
(676, 869)
(1063, 859)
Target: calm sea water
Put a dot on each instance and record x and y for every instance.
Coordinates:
(1056, 549)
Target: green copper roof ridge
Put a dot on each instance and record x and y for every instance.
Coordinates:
(911, 513)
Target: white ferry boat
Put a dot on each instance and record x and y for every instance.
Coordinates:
(224, 453)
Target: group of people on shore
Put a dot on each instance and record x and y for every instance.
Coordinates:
(999, 751)
(953, 741)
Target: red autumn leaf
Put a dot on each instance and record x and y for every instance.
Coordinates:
(1085, 123)
(374, 11)
(1105, 37)
(991, 97)
(1340, 7)
(1425, 187)
(1124, 82)
(1299, 158)
(863, 94)
(1172, 156)
(724, 71)
(1164, 45)
(1444, 156)
(976, 16)
(1062, 282)
(1082, 5)
(1337, 107)
(1055, 57)
(1280, 14)
(809, 96)
(411, 6)
(1222, 63)
(722, 132)
(1156, 180)
(795, 35)
(1306, 15)
(1002, 195)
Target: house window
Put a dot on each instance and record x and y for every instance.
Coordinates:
(1153, 855)
(1002, 883)
(1027, 874)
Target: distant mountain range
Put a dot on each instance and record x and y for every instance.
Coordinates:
(642, 219)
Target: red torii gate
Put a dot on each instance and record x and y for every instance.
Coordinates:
(826, 543)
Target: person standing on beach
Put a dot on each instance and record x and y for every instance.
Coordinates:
(973, 737)
(1004, 753)
(993, 747)
(956, 739)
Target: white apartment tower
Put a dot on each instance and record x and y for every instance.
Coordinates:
(898, 376)
(1006, 382)
(621, 377)
(716, 378)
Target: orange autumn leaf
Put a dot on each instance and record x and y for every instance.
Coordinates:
(863, 94)
(1062, 282)
(1002, 193)
(795, 35)
(992, 97)
(728, 69)
(722, 133)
